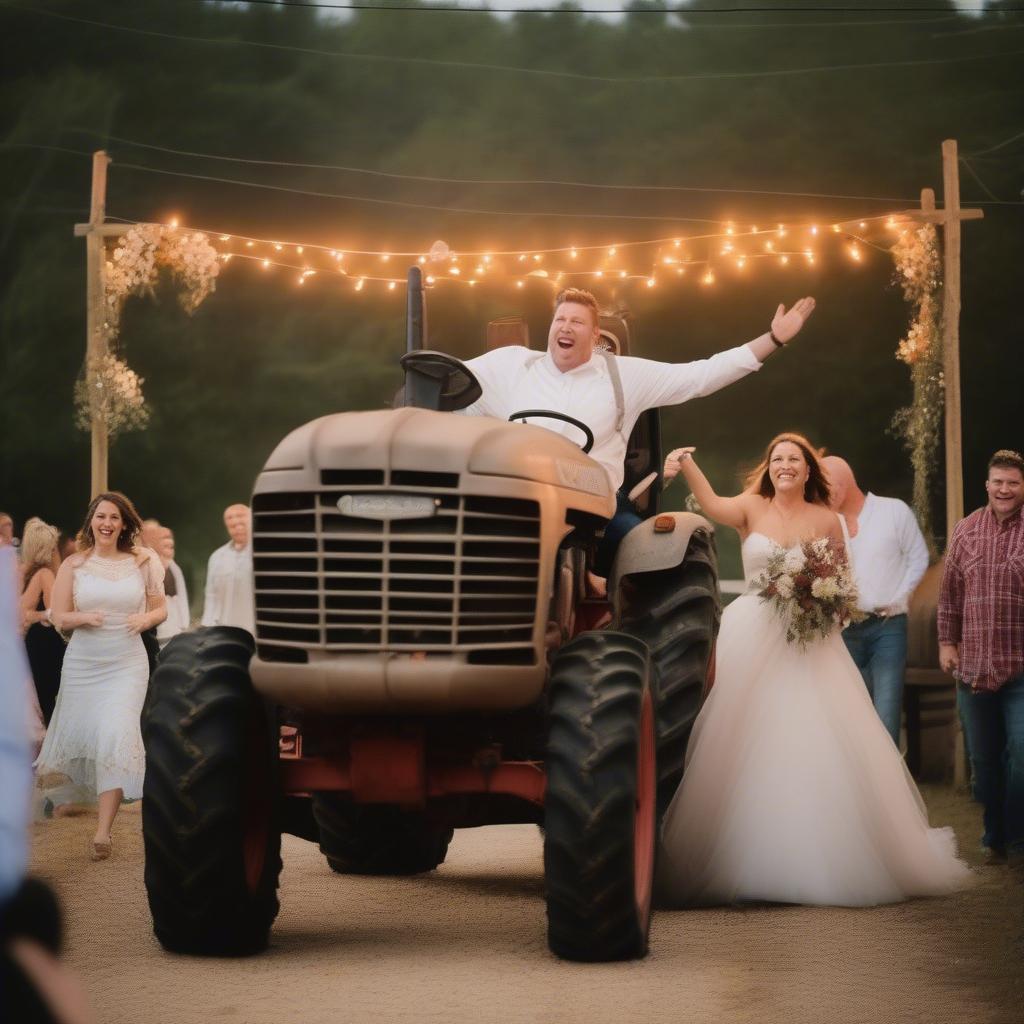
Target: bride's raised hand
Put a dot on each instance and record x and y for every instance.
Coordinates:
(786, 324)
(673, 462)
(137, 622)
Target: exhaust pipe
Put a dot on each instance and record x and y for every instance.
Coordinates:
(416, 315)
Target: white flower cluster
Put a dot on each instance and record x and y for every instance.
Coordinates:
(193, 262)
(112, 392)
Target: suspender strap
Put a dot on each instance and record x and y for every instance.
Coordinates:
(620, 401)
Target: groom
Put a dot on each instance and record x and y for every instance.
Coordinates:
(609, 394)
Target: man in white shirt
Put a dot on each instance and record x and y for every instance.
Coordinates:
(229, 586)
(889, 556)
(570, 378)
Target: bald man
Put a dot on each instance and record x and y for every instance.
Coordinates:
(889, 556)
(229, 594)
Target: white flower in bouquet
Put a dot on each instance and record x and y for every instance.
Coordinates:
(784, 587)
(794, 561)
(825, 589)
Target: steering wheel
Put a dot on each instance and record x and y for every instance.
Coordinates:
(550, 414)
(436, 380)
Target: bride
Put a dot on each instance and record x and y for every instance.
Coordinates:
(793, 791)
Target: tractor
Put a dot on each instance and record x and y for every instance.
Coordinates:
(429, 655)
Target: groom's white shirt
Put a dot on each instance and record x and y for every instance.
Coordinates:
(515, 378)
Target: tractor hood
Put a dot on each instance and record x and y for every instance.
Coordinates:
(420, 440)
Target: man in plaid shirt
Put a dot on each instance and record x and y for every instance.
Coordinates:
(981, 642)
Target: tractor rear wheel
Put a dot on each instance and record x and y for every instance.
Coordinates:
(210, 798)
(599, 807)
(676, 613)
(375, 839)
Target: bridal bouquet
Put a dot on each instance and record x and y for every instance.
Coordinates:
(812, 587)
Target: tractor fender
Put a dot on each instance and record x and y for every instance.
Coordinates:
(654, 544)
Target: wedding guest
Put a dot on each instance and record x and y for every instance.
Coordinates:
(229, 586)
(45, 647)
(7, 531)
(981, 642)
(178, 615)
(889, 556)
(66, 545)
(105, 596)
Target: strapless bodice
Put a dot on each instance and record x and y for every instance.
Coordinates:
(756, 551)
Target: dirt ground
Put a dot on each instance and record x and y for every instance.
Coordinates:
(467, 944)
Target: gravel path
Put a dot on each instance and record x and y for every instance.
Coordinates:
(467, 944)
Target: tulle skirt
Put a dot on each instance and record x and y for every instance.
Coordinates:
(94, 741)
(794, 791)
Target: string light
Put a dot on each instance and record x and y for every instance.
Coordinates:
(612, 261)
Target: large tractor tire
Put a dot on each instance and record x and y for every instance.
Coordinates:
(375, 839)
(210, 799)
(599, 806)
(676, 613)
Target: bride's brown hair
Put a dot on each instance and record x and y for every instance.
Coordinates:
(816, 489)
(130, 530)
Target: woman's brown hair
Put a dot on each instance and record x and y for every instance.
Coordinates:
(816, 489)
(130, 530)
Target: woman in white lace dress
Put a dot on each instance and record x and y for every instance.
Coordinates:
(794, 791)
(105, 596)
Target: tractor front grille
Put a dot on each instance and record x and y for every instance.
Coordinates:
(461, 580)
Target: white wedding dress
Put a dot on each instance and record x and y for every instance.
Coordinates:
(94, 742)
(794, 791)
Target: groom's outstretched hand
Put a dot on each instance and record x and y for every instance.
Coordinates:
(786, 324)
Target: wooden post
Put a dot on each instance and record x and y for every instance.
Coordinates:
(96, 338)
(949, 219)
(951, 336)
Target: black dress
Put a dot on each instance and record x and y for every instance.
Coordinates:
(46, 658)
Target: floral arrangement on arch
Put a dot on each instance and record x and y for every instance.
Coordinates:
(811, 587)
(919, 425)
(108, 389)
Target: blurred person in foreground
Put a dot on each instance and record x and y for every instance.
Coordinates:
(981, 643)
(889, 556)
(105, 596)
(229, 585)
(34, 987)
(45, 646)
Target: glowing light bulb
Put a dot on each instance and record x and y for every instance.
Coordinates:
(249, 245)
(522, 257)
(814, 229)
(391, 286)
(598, 273)
(612, 251)
(360, 283)
(784, 260)
(769, 246)
(537, 257)
(622, 274)
(708, 278)
(729, 230)
(173, 222)
(278, 246)
(480, 269)
(302, 278)
(573, 254)
(225, 238)
(299, 249)
(651, 282)
(741, 263)
(519, 284)
(431, 279)
(454, 271)
(836, 228)
(266, 264)
(422, 259)
(487, 258)
(385, 256)
(781, 231)
(863, 224)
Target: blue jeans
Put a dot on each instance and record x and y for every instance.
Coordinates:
(619, 525)
(994, 724)
(879, 649)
